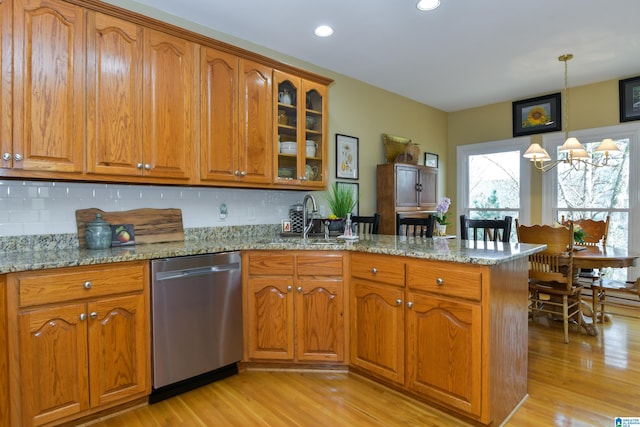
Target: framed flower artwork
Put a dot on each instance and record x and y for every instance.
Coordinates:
(537, 115)
(346, 157)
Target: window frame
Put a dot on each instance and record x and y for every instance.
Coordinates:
(519, 144)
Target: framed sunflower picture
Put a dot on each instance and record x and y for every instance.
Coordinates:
(537, 115)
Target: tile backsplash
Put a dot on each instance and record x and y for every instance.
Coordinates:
(34, 207)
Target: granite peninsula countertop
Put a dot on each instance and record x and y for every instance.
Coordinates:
(454, 250)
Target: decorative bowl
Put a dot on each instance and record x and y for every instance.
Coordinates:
(288, 147)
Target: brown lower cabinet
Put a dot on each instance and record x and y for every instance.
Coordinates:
(294, 306)
(78, 341)
(452, 334)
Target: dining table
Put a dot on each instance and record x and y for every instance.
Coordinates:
(598, 257)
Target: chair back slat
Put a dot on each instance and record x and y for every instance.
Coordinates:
(365, 224)
(595, 232)
(496, 230)
(414, 226)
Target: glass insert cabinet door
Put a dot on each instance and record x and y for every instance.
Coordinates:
(299, 130)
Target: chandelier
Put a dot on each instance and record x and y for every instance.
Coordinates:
(572, 151)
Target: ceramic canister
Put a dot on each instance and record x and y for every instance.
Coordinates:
(98, 233)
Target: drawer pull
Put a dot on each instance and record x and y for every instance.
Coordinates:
(409, 304)
(93, 315)
(289, 288)
(398, 301)
(374, 270)
(299, 289)
(439, 281)
(83, 316)
(87, 285)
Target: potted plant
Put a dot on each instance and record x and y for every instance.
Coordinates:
(441, 216)
(341, 202)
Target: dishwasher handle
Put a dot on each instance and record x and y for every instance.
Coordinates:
(198, 271)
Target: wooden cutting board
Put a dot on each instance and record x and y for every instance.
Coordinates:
(149, 225)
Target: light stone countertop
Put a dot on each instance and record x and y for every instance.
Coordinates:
(454, 250)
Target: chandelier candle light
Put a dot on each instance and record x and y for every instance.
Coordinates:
(572, 151)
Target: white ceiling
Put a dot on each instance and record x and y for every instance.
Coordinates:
(464, 54)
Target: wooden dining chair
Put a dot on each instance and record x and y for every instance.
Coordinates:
(553, 287)
(599, 297)
(365, 224)
(495, 230)
(595, 233)
(414, 226)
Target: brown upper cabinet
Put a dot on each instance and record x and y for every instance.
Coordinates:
(142, 87)
(93, 92)
(236, 117)
(300, 131)
(48, 81)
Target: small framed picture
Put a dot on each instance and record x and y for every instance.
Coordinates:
(630, 99)
(355, 190)
(537, 115)
(346, 157)
(122, 235)
(431, 160)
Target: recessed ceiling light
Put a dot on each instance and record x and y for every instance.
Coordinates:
(428, 4)
(323, 31)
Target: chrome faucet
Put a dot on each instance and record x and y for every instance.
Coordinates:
(306, 228)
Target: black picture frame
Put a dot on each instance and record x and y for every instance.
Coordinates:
(629, 99)
(537, 115)
(355, 190)
(431, 160)
(347, 160)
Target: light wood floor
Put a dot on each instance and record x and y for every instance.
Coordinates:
(587, 382)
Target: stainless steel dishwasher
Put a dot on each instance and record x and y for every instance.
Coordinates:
(196, 321)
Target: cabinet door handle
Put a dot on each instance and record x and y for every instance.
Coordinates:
(374, 270)
(289, 288)
(87, 284)
(17, 157)
(6, 156)
(299, 289)
(93, 315)
(147, 166)
(409, 304)
(139, 165)
(83, 316)
(237, 173)
(439, 281)
(243, 173)
(398, 301)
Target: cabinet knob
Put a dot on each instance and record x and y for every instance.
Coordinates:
(299, 289)
(139, 165)
(243, 173)
(87, 285)
(439, 281)
(289, 288)
(398, 301)
(93, 315)
(374, 270)
(409, 304)
(83, 316)
(147, 166)
(17, 157)
(6, 156)
(237, 173)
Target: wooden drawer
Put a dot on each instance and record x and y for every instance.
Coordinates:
(320, 265)
(378, 268)
(443, 279)
(271, 264)
(66, 284)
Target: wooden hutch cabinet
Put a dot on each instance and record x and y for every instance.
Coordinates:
(402, 187)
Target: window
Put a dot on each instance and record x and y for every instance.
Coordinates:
(491, 183)
(597, 192)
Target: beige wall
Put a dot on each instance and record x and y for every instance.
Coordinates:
(590, 106)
